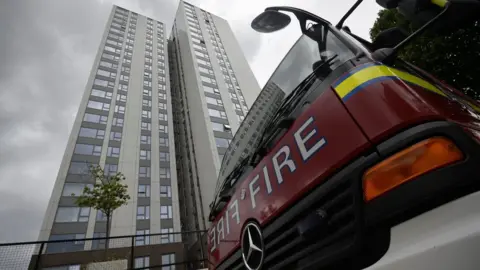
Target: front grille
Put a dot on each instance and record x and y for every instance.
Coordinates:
(287, 249)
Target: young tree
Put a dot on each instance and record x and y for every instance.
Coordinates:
(107, 194)
(452, 57)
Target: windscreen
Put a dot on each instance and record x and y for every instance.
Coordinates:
(297, 65)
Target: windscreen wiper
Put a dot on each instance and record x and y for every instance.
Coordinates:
(290, 102)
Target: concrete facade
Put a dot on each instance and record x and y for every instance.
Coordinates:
(213, 89)
(122, 117)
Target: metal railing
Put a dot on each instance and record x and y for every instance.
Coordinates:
(147, 251)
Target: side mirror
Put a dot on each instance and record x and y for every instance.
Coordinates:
(270, 21)
(389, 38)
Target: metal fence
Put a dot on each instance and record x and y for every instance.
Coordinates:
(148, 251)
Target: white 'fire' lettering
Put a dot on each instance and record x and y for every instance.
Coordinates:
(266, 177)
(307, 153)
(220, 230)
(286, 162)
(213, 239)
(235, 213)
(252, 191)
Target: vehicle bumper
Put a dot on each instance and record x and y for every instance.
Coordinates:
(447, 237)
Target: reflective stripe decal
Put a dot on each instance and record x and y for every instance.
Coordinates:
(364, 75)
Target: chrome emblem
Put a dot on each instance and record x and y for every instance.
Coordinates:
(243, 194)
(252, 246)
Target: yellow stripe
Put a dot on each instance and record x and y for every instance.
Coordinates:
(440, 3)
(370, 73)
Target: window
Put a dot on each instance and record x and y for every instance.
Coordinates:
(144, 172)
(119, 109)
(98, 243)
(74, 189)
(166, 191)
(143, 190)
(163, 142)
(101, 93)
(166, 212)
(162, 106)
(64, 267)
(72, 214)
(168, 259)
(162, 116)
(115, 136)
(117, 122)
(201, 54)
(145, 139)
(162, 96)
(87, 149)
(105, 73)
(205, 70)
(147, 103)
(218, 126)
(141, 239)
(142, 262)
(79, 168)
(164, 173)
(123, 87)
(164, 156)
(147, 93)
(122, 98)
(104, 83)
(167, 238)
(108, 64)
(113, 152)
(145, 154)
(110, 169)
(162, 129)
(92, 133)
(98, 105)
(214, 101)
(210, 89)
(146, 114)
(143, 212)
(203, 62)
(146, 126)
(69, 246)
(111, 57)
(217, 113)
(221, 142)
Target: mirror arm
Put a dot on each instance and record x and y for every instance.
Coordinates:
(349, 12)
(301, 15)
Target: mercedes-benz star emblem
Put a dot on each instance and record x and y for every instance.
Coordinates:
(252, 246)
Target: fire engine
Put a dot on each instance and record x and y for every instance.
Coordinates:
(352, 158)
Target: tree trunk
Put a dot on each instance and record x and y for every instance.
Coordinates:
(108, 230)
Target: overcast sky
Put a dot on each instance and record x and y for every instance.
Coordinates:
(46, 51)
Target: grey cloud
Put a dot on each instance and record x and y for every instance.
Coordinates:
(47, 49)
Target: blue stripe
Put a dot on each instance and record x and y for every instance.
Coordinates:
(349, 73)
(367, 83)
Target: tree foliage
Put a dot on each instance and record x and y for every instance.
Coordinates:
(453, 57)
(106, 195)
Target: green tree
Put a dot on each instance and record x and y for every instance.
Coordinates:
(453, 57)
(107, 194)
